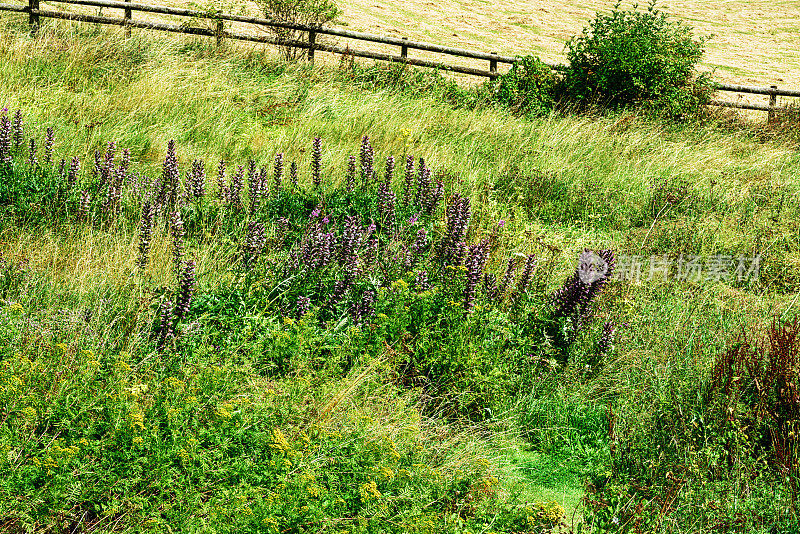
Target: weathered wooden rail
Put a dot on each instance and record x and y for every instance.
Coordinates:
(311, 44)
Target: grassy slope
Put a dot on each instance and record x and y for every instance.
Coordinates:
(742, 193)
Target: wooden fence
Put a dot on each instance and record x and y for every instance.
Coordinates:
(220, 33)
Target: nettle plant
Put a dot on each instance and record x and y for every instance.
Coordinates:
(386, 251)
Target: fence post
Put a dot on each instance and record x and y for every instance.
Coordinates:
(220, 31)
(33, 18)
(493, 63)
(773, 100)
(127, 19)
(404, 49)
(312, 38)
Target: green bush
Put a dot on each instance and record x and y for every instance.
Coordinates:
(637, 58)
(529, 88)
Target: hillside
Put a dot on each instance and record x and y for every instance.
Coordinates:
(327, 355)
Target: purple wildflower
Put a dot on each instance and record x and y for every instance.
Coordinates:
(278, 175)
(165, 331)
(303, 304)
(187, 286)
(223, 193)
(237, 184)
(178, 234)
(32, 161)
(293, 173)
(48, 146)
(421, 282)
(316, 162)
(5, 140)
(367, 161)
(458, 215)
(83, 207)
(254, 244)
(476, 260)
(18, 128)
(145, 234)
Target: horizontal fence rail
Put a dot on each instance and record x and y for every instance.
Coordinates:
(311, 45)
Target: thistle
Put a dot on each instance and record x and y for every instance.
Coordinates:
(178, 234)
(48, 146)
(145, 235)
(5, 140)
(351, 174)
(32, 161)
(316, 162)
(186, 289)
(278, 175)
(18, 129)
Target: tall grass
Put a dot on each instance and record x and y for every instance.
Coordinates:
(561, 183)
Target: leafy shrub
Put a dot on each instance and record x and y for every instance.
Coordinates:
(303, 12)
(637, 58)
(529, 88)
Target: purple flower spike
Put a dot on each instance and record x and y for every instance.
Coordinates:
(303, 304)
(278, 172)
(367, 161)
(32, 161)
(18, 129)
(316, 162)
(223, 193)
(49, 138)
(476, 260)
(237, 184)
(5, 140)
(293, 174)
(178, 235)
(254, 244)
(145, 234)
(452, 246)
(187, 286)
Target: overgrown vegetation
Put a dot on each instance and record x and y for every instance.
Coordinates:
(240, 366)
(637, 58)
